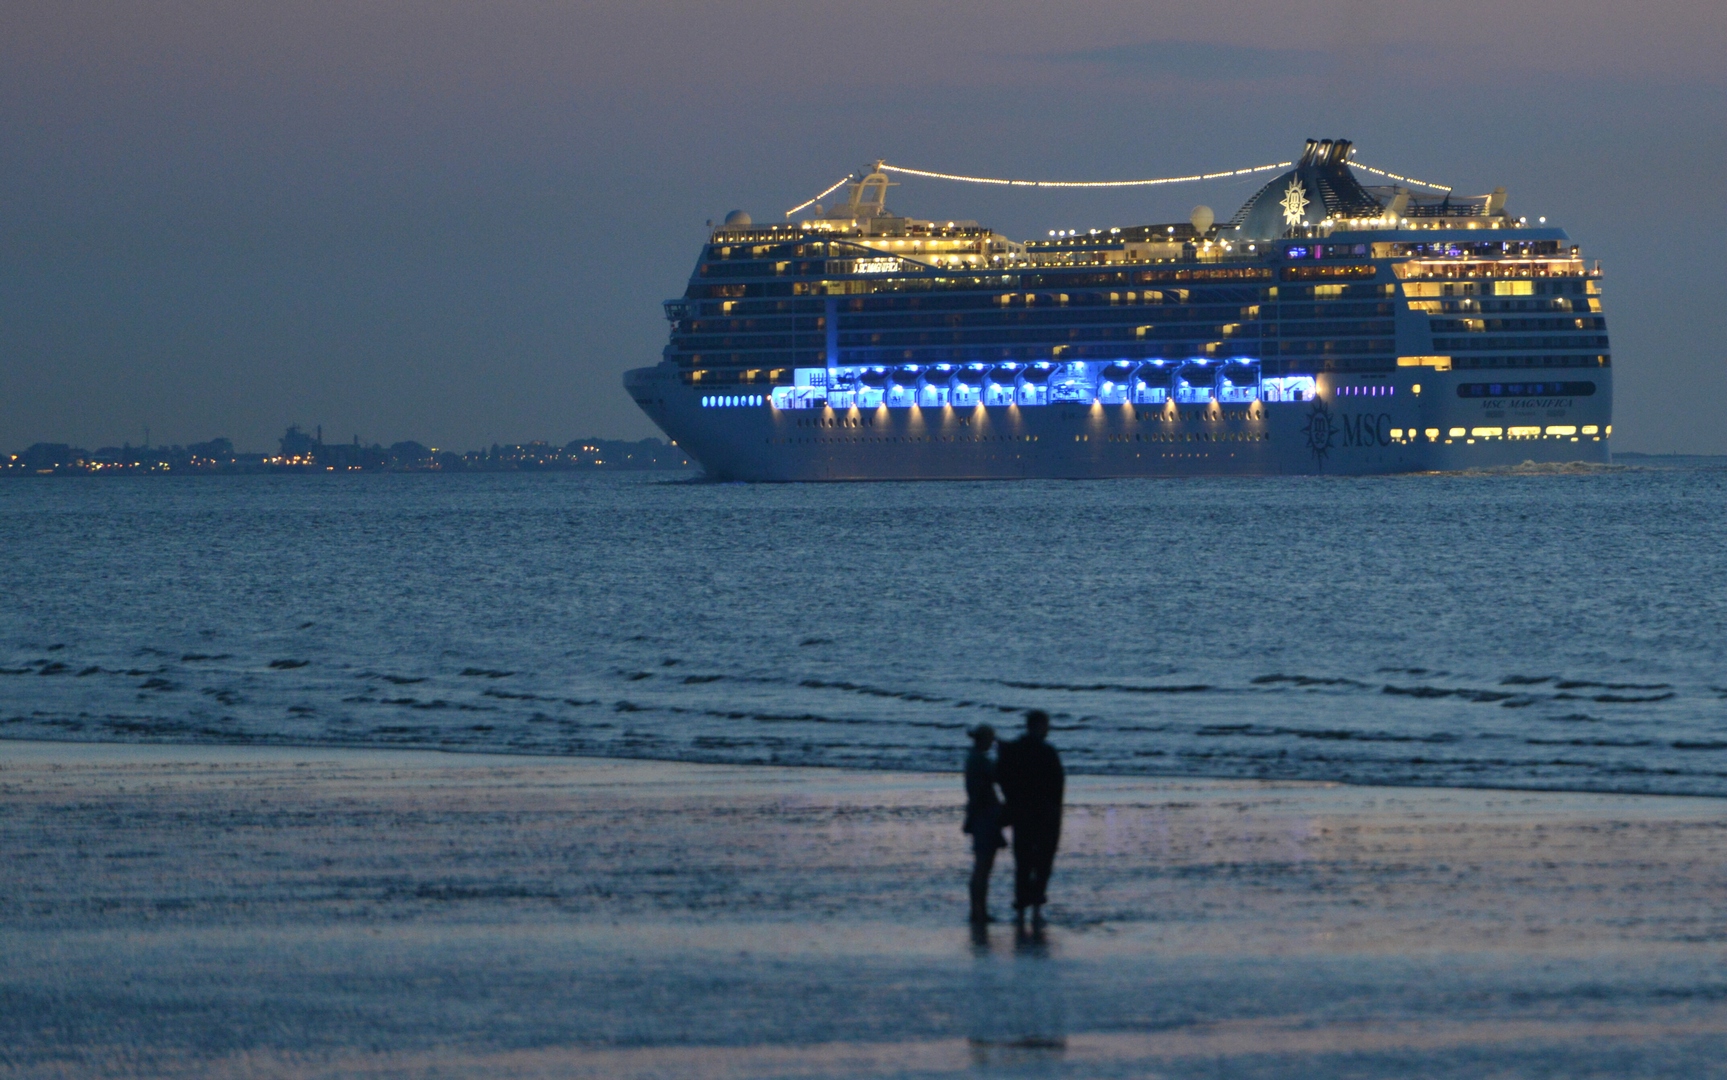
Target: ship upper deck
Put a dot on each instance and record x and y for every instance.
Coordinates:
(1347, 280)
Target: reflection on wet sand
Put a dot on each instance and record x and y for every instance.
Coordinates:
(179, 911)
(1015, 1002)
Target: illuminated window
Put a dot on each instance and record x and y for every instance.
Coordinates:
(1562, 429)
(1591, 429)
(1486, 432)
(1457, 433)
(1523, 432)
(1432, 433)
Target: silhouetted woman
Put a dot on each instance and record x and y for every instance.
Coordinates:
(982, 818)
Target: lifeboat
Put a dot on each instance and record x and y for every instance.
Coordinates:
(902, 385)
(1114, 382)
(1195, 383)
(1151, 383)
(1034, 383)
(968, 384)
(1002, 385)
(936, 386)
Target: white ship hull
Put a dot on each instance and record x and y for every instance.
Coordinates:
(1376, 424)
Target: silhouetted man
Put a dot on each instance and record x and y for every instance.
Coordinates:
(1029, 771)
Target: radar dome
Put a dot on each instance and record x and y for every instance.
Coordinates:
(1202, 219)
(738, 217)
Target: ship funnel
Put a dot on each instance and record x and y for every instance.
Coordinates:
(1325, 152)
(1319, 187)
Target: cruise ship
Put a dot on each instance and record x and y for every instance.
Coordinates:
(1328, 327)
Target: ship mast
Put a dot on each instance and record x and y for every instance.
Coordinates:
(868, 196)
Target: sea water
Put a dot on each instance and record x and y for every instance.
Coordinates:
(1542, 628)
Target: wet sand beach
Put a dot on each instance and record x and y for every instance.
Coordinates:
(249, 912)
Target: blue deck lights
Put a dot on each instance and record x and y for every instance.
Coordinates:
(1043, 382)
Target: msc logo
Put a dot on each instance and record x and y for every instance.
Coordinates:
(1366, 429)
(1320, 431)
(1323, 429)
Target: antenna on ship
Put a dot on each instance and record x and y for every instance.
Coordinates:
(869, 195)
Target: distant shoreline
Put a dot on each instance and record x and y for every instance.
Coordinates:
(578, 456)
(303, 453)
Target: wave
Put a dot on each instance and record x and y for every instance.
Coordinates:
(1309, 680)
(1117, 688)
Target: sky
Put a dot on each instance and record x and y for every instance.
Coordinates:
(455, 222)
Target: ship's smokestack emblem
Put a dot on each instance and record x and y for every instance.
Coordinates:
(1319, 187)
(1294, 202)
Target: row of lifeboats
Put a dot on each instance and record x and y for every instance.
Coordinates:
(1034, 383)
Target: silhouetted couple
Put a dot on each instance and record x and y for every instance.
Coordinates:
(1028, 772)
